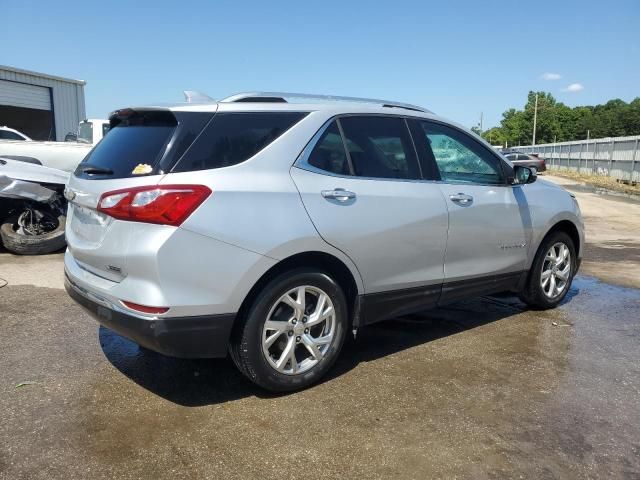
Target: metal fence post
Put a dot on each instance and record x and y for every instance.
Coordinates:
(570, 153)
(633, 161)
(580, 156)
(613, 142)
(595, 154)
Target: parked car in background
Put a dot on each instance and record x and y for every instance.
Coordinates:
(527, 160)
(59, 155)
(271, 229)
(7, 133)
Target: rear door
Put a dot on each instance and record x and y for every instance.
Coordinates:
(361, 184)
(487, 216)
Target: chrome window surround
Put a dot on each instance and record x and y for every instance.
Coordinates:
(303, 163)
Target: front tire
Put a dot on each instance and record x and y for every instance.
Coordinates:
(46, 241)
(551, 273)
(293, 332)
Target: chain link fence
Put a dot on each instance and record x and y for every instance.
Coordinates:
(616, 157)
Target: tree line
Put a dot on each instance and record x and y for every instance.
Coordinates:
(556, 122)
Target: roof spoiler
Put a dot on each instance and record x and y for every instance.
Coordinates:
(193, 96)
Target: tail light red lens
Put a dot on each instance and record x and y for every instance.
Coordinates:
(160, 204)
(145, 308)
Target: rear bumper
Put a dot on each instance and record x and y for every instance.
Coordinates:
(184, 337)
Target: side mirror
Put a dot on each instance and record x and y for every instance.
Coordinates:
(524, 175)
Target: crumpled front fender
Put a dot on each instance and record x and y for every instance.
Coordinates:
(21, 190)
(22, 181)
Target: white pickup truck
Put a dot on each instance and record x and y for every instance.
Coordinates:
(61, 155)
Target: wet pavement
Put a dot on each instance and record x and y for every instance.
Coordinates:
(482, 389)
(612, 224)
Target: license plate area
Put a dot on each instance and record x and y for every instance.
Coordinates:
(87, 224)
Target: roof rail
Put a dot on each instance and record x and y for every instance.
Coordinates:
(280, 97)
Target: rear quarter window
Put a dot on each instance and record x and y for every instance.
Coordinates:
(232, 138)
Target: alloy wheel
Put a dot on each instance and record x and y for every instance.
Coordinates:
(299, 330)
(556, 270)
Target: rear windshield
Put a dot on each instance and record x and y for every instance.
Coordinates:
(134, 146)
(232, 138)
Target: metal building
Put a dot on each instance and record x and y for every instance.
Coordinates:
(42, 106)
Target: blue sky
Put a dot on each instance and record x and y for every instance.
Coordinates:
(456, 58)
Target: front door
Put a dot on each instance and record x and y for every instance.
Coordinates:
(487, 218)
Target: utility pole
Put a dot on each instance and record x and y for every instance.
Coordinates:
(535, 120)
(588, 132)
(480, 123)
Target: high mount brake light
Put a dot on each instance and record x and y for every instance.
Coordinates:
(159, 204)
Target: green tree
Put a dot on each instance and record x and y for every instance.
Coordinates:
(558, 122)
(494, 136)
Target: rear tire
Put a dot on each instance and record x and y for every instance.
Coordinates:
(32, 244)
(281, 344)
(551, 273)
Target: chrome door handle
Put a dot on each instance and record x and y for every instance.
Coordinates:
(339, 194)
(461, 199)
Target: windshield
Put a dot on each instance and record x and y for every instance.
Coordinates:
(85, 132)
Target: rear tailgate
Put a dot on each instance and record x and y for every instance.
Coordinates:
(141, 146)
(98, 242)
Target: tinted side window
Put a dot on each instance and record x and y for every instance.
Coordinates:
(380, 147)
(459, 157)
(329, 153)
(523, 157)
(232, 138)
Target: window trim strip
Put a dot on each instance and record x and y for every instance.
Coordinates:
(302, 163)
(352, 170)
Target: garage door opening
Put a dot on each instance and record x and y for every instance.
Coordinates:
(27, 108)
(37, 124)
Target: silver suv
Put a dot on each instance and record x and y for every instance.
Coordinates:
(270, 229)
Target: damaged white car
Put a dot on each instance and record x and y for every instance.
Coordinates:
(32, 207)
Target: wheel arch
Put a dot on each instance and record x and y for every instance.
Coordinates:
(570, 229)
(323, 261)
(559, 225)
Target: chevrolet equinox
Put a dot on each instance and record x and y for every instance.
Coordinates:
(270, 228)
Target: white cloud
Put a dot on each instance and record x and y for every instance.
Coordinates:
(574, 87)
(550, 76)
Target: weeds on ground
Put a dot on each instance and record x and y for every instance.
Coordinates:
(598, 181)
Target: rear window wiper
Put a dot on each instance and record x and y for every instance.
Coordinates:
(95, 169)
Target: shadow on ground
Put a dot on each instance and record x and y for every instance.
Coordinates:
(211, 381)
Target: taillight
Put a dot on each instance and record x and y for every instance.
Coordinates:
(161, 204)
(145, 308)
